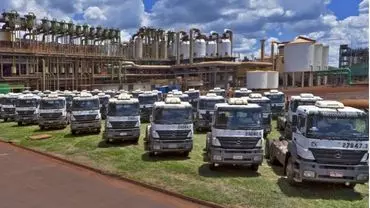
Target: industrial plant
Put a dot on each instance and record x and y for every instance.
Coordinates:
(56, 55)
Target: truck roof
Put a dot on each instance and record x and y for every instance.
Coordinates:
(28, 96)
(148, 94)
(127, 101)
(172, 102)
(227, 105)
(305, 97)
(330, 108)
(85, 96)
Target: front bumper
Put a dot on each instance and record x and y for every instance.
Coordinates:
(27, 119)
(121, 134)
(158, 145)
(7, 116)
(62, 121)
(334, 173)
(235, 156)
(85, 125)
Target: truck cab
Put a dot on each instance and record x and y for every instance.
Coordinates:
(111, 93)
(205, 110)
(171, 128)
(290, 119)
(136, 93)
(103, 100)
(26, 109)
(159, 95)
(237, 134)
(8, 107)
(265, 103)
(218, 91)
(96, 92)
(183, 97)
(277, 102)
(85, 114)
(53, 112)
(330, 144)
(123, 119)
(193, 97)
(242, 92)
(2, 101)
(147, 100)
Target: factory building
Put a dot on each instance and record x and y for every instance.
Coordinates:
(357, 60)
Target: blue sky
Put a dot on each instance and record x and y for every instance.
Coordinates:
(332, 22)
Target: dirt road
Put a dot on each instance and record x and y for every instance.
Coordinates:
(31, 180)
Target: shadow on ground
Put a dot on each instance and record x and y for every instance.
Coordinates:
(227, 171)
(166, 156)
(326, 191)
(104, 144)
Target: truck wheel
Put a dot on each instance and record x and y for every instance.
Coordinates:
(212, 166)
(151, 154)
(42, 127)
(74, 132)
(136, 140)
(289, 169)
(19, 123)
(97, 131)
(254, 167)
(186, 154)
(350, 186)
(5, 119)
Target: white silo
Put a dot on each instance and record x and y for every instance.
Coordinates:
(325, 57)
(298, 55)
(138, 48)
(163, 49)
(225, 47)
(184, 49)
(211, 48)
(317, 57)
(272, 79)
(257, 80)
(199, 47)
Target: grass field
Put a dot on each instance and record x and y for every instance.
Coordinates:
(232, 187)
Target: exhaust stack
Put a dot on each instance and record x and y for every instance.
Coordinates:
(262, 50)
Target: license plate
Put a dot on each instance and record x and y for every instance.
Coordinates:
(123, 134)
(237, 157)
(335, 174)
(172, 146)
(354, 145)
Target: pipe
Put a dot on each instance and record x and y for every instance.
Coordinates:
(230, 36)
(262, 49)
(178, 48)
(272, 55)
(43, 74)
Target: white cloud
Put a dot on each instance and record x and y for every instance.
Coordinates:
(94, 13)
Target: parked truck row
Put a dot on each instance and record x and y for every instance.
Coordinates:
(321, 140)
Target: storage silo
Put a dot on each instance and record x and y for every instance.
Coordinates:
(298, 55)
(184, 49)
(211, 48)
(272, 79)
(317, 57)
(325, 57)
(163, 49)
(257, 80)
(199, 47)
(138, 48)
(225, 47)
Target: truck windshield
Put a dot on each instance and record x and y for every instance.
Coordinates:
(26, 103)
(338, 127)
(241, 94)
(276, 98)
(297, 103)
(173, 115)
(52, 104)
(238, 119)
(266, 106)
(220, 93)
(193, 95)
(123, 109)
(9, 101)
(145, 100)
(103, 100)
(80, 105)
(184, 98)
(209, 104)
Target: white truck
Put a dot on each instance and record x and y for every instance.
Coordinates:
(242, 92)
(237, 134)
(218, 91)
(265, 103)
(289, 120)
(26, 109)
(277, 102)
(85, 114)
(8, 106)
(2, 101)
(193, 97)
(171, 128)
(205, 110)
(123, 119)
(147, 100)
(136, 93)
(330, 144)
(183, 97)
(53, 112)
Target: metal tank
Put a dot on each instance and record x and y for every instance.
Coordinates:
(298, 55)
(318, 56)
(225, 47)
(185, 49)
(163, 49)
(138, 47)
(272, 79)
(257, 80)
(211, 47)
(200, 47)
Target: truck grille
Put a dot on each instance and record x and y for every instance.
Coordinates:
(9, 110)
(51, 115)
(328, 156)
(123, 124)
(238, 142)
(85, 117)
(164, 134)
(25, 113)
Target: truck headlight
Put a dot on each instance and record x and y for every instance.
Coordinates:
(308, 174)
(97, 116)
(190, 134)
(200, 116)
(215, 142)
(155, 134)
(73, 118)
(64, 113)
(137, 124)
(16, 112)
(109, 125)
(305, 154)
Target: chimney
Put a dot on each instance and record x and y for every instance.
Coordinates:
(262, 49)
(272, 55)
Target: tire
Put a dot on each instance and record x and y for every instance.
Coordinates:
(255, 167)
(97, 131)
(5, 119)
(151, 154)
(290, 172)
(350, 186)
(136, 140)
(19, 123)
(42, 127)
(74, 132)
(186, 154)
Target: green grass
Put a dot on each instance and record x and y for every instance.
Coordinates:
(232, 187)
